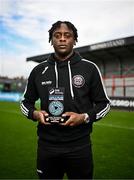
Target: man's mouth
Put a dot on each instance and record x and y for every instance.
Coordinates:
(62, 46)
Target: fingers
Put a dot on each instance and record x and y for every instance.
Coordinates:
(44, 113)
(67, 114)
(71, 119)
(74, 119)
(40, 116)
(43, 117)
(69, 122)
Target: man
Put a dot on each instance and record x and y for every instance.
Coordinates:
(72, 97)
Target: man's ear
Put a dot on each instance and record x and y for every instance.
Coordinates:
(74, 42)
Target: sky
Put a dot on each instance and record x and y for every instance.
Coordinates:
(24, 26)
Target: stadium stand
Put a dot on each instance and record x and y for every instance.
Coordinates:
(12, 84)
(11, 89)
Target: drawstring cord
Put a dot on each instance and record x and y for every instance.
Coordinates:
(56, 72)
(70, 80)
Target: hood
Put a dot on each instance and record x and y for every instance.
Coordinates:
(73, 59)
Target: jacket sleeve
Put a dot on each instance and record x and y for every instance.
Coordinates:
(30, 96)
(98, 96)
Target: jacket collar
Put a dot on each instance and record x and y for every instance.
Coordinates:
(73, 59)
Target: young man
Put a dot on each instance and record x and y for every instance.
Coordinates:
(72, 97)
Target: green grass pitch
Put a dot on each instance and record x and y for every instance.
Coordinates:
(112, 139)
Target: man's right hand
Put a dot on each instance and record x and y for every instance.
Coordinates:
(40, 116)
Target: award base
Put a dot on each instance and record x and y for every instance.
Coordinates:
(56, 119)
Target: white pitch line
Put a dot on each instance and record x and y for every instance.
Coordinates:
(114, 126)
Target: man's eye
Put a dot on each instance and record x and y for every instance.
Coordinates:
(57, 36)
(68, 35)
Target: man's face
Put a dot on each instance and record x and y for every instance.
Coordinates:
(63, 40)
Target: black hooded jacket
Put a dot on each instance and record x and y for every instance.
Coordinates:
(84, 93)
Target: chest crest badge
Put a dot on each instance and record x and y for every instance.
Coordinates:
(78, 81)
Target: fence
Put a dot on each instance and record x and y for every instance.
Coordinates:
(120, 89)
(120, 86)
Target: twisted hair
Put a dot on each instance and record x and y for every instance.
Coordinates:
(57, 25)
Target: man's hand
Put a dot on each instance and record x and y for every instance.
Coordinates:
(74, 119)
(40, 116)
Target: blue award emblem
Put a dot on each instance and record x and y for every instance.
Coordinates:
(56, 108)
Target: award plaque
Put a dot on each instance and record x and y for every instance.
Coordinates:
(55, 105)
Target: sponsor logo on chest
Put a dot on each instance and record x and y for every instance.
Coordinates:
(44, 83)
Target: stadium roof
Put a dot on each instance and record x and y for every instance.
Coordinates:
(118, 48)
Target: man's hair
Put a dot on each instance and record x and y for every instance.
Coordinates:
(58, 24)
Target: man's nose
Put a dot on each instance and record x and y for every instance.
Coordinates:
(62, 38)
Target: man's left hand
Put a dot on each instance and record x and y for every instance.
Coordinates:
(74, 119)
